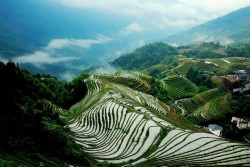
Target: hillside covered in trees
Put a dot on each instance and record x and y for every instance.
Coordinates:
(31, 130)
(146, 56)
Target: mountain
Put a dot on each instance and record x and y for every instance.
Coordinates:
(231, 28)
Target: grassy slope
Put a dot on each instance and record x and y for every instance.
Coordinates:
(236, 63)
(180, 64)
(207, 106)
(180, 88)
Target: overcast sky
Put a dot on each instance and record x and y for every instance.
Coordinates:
(180, 14)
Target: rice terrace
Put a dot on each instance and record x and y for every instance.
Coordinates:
(118, 125)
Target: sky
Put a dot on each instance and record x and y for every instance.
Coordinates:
(161, 14)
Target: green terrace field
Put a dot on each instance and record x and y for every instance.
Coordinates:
(216, 65)
(134, 80)
(180, 87)
(213, 66)
(209, 105)
(117, 125)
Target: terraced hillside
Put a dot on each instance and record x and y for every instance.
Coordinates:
(180, 87)
(211, 65)
(212, 104)
(122, 126)
(134, 80)
(161, 60)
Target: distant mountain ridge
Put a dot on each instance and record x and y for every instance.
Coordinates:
(231, 28)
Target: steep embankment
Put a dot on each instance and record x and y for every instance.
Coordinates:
(116, 124)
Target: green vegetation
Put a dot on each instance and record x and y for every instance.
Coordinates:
(200, 78)
(146, 56)
(158, 90)
(204, 50)
(217, 106)
(161, 60)
(121, 126)
(241, 50)
(208, 106)
(28, 130)
(214, 50)
(180, 87)
(240, 104)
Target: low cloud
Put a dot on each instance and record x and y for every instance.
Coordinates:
(137, 44)
(81, 43)
(226, 41)
(105, 69)
(51, 53)
(205, 38)
(132, 28)
(41, 57)
(67, 54)
(68, 76)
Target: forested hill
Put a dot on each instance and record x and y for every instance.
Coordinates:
(146, 56)
(31, 131)
(161, 53)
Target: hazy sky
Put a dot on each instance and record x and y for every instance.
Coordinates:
(162, 13)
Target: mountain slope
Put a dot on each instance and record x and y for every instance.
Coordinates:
(146, 56)
(31, 131)
(161, 60)
(231, 28)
